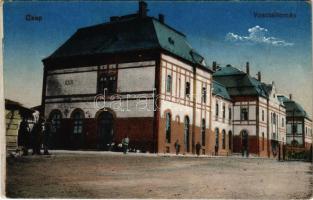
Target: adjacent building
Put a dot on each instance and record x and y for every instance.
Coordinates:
(15, 112)
(299, 124)
(258, 116)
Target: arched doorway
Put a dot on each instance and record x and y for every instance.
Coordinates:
(216, 146)
(186, 134)
(105, 130)
(55, 118)
(244, 142)
(230, 140)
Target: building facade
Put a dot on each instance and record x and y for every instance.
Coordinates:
(299, 124)
(258, 116)
(137, 76)
(134, 76)
(222, 121)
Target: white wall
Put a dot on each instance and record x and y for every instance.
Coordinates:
(73, 83)
(136, 79)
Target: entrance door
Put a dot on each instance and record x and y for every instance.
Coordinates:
(105, 130)
(244, 141)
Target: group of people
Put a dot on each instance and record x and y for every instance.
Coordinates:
(177, 147)
(34, 138)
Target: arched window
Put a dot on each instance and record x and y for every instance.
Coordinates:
(78, 117)
(216, 137)
(168, 127)
(230, 138)
(216, 109)
(224, 111)
(169, 83)
(55, 118)
(224, 139)
(203, 132)
(186, 133)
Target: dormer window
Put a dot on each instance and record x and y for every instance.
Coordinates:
(171, 41)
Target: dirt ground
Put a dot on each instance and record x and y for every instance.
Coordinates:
(113, 175)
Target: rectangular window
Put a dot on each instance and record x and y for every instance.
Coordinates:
(289, 131)
(169, 83)
(224, 111)
(229, 113)
(299, 129)
(204, 95)
(294, 129)
(274, 118)
(107, 82)
(243, 113)
(187, 89)
(216, 109)
(283, 122)
(263, 115)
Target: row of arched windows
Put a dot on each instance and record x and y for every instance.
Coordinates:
(168, 120)
(203, 131)
(223, 138)
(77, 116)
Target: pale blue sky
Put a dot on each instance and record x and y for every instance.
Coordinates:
(279, 47)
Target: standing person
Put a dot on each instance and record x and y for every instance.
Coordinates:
(198, 147)
(23, 136)
(125, 143)
(36, 137)
(177, 147)
(46, 137)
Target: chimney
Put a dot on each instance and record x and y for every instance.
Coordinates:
(259, 76)
(142, 9)
(248, 68)
(290, 96)
(161, 18)
(214, 66)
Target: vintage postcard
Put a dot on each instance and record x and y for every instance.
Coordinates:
(157, 99)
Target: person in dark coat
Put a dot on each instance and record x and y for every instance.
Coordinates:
(23, 136)
(125, 143)
(46, 137)
(177, 147)
(198, 147)
(36, 137)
